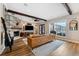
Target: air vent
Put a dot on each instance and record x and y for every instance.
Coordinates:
(25, 4)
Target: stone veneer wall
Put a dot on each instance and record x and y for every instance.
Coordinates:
(1, 27)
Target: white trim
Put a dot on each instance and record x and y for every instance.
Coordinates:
(2, 49)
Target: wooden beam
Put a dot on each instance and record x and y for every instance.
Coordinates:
(19, 13)
(67, 8)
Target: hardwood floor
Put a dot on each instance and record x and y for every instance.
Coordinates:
(67, 49)
(19, 49)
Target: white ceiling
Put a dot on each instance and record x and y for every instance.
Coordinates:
(43, 10)
(74, 7)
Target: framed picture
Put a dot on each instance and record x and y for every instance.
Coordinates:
(73, 25)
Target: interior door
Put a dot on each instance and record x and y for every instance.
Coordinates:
(42, 29)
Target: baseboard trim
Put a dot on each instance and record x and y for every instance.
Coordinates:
(2, 50)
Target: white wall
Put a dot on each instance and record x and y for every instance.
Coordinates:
(73, 34)
(1, 29)
(69, 34)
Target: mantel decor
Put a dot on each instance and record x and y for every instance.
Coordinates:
(73, 25)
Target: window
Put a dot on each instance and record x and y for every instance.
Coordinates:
(59, 28)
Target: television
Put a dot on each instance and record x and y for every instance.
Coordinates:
(16, 33)
(28, 27)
